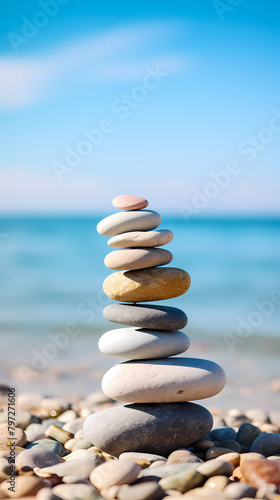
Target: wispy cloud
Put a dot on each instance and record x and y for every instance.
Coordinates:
(117, 55)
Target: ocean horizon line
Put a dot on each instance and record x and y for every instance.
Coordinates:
(231, 217)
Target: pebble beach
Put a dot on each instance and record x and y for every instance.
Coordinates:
(238, 458)
(156, 430)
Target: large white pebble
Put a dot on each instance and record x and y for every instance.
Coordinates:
(169, 380)
(132, 220)
(140, 343)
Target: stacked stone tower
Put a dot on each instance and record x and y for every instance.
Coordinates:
(158, 386)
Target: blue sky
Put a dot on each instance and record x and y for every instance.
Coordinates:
(212, 105)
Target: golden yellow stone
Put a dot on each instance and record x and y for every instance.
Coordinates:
(147, 284)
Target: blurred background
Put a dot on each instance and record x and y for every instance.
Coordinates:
(174, 101)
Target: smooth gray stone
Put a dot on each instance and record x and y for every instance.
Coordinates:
(148, 428)
(167, 470)
(267, 444)
(239, 490)
(36, 457)
(49, 445)
(141, 343)
(146, 316)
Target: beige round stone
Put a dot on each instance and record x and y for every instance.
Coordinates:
(15, 436)
(129, 202)
(110, 493)
(138, 457)
(143, 285)
(217, 482)
(137, 258)
(233, 458)
(74, 491)
(141, 239)
(167, 380)
(114, 472)
(24, 486)
(142, 491)
(132, 220)
(182, 456)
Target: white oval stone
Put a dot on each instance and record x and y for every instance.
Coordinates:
(140, 343)
(168, 380)
(137, 258)
(131, 220)
(138, 239)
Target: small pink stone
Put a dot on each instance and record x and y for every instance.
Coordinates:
(129, 202)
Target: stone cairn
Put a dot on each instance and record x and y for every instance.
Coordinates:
(158, 386)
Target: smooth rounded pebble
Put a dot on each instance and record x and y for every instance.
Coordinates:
(246, 434)
(114, 472)
(267, 444)
(230, 444)
(166, 470)
(216, 467)
(18, 438)
(36, 457)
(168, 380)
(23, 418)
(47, 444)
(217, 482)
(24, 486)
(233, 458)
(81, 491)
(182, 456)
(141, 457)
(144, 491)
(137, 258)
(250, 456)
(200, 493)
(239, 490)
(139, 343)
(155, 283)
(121, 222)
(146, 316)
(140, 239)
(260, 472)
(129, 202)
(148, 428)
(182, 481)
(79, 468)
(216, 452)
(223, 433)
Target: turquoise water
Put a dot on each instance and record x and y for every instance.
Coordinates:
(52, 272)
